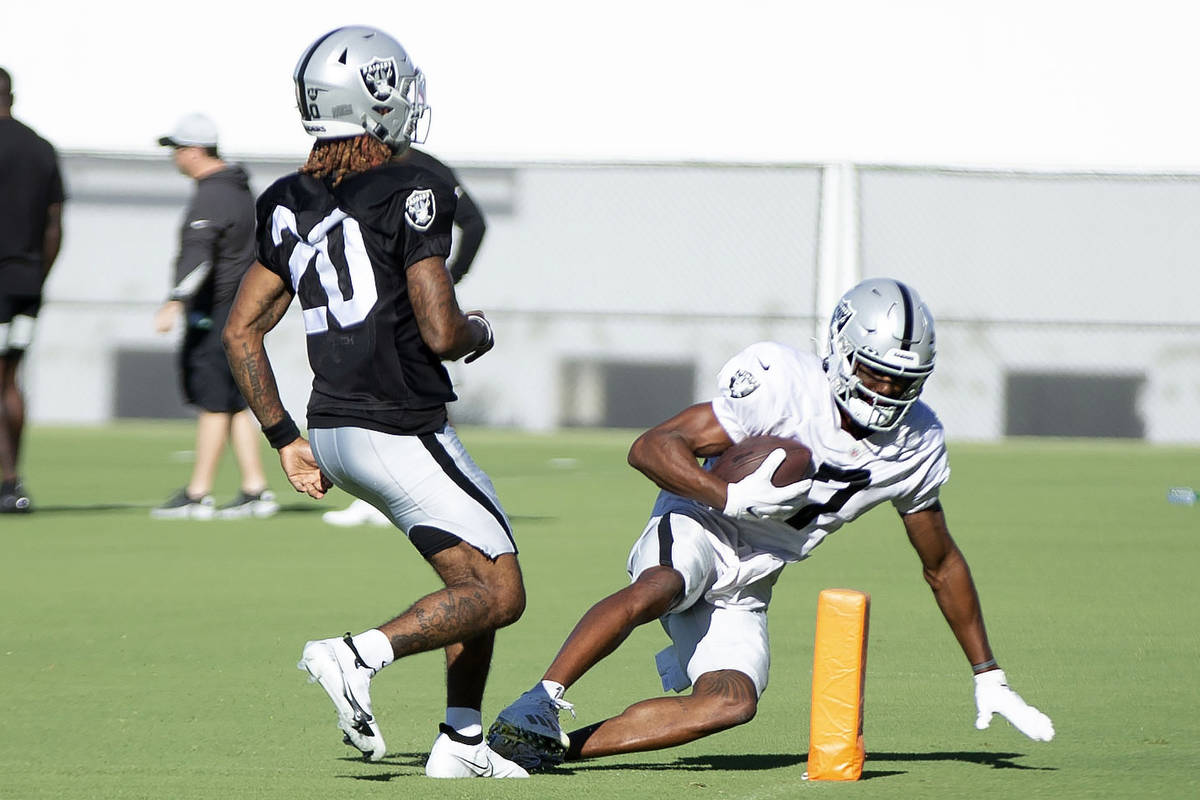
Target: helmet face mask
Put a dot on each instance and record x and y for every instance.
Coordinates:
(358, 79)
(882, 327)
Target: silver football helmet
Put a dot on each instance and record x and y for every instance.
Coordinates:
(357, 79)
(882, 324)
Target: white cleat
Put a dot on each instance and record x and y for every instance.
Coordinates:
(528, 731)
(335, 665)
(360, 512)
(453, 758)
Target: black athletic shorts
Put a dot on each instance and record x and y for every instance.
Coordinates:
(207, 382)
(17, 315)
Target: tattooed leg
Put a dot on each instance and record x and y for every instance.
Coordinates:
(480, 596)
(719, 700)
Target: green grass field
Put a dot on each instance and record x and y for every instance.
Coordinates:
(156, 659)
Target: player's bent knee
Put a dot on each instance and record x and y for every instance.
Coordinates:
(729, 696)
(741, 713)
(501, 581)
(498, 581)
(509, 591)
(509, 613)
(656, 590)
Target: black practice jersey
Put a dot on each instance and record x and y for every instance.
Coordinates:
(468, 217)
(30, 182)
(344, 251)
(216, 241)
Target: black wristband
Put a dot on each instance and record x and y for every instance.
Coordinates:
(282, 433)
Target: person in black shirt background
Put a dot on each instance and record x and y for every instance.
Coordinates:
(360, 239)
(216, 246)
(31, 201)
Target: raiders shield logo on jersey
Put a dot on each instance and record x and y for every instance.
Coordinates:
(742, 383)
(419, 209)
(379, 76)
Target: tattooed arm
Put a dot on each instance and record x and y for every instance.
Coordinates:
(444, 327)
(261, 302)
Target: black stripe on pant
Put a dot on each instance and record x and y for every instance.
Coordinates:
(665, 540)
(446, 462)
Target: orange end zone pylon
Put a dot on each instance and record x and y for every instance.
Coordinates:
(835, 737)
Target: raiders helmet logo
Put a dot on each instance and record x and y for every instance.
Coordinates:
(379, 76)
(420, 209)
(841, 315)
(742, 383)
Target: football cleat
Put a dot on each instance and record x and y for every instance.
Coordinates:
(259, 505)
(528, 732)
(337, 667)
(183, 506)
(453, 756)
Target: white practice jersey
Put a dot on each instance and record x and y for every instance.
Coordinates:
(771, 389)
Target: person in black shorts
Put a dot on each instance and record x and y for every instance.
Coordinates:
(216, 247)
(360, 238)
(469, 227)
(31, 201)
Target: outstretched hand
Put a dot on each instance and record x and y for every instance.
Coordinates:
(992, 696)
(301, 469)
(756, 497)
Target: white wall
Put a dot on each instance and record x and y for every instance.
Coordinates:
(1070, 272)
(687, 263)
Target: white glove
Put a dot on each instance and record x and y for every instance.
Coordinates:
(992, 696)
(755, 497)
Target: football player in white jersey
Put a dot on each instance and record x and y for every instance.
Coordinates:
(707, 560)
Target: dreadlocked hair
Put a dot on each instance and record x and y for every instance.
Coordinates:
(343, 157)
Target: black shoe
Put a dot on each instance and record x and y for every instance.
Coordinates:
(249, 505)
(13, 499)
(183, 506)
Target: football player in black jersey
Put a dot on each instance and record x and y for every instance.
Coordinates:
(361, 239)
(469, 228)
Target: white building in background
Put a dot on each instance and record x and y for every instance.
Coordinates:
(1064, 302)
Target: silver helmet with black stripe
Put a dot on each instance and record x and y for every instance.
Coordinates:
(356, 79)
(882, 324)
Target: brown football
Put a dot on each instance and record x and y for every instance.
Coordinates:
(744, 457)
